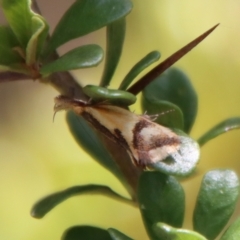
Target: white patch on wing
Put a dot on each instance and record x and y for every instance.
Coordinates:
(155, 130)
(160, 153)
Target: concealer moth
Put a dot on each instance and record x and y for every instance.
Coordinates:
(146, 141)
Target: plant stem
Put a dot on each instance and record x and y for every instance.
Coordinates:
(65, 84)
(12, 76)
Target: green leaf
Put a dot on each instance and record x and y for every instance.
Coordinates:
(7, 37)
(19, 17)
(117, 235)
(85, 233)
(37, 40)
(112, 96)
(87, 139)
(233, 232)
(216, 202)
(8, 41)
(80, 57)
(86, 16)
(166, 232)
(45, 205)
(25, 23)
(161, 199)
(183, 162)
(115, 40)
(174, 86)
(222, 127)
(139, 67)
(9, 57)
(168, 114)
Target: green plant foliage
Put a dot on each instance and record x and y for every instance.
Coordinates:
(222, 127)
(216, 202)
(183, 162)
(233, 232)
(7, 38)
(87, 139)
(8, 56)
(117, 97)
(116, 235)
(89, 15)
(30, 30)
(138, 68)
(80, 57)
(161, 199)
(166, 232)
(7, 42)
(115, 40)
(35, 43)
(41, 208)
(86, 233)
(169, 97)
(174, 86)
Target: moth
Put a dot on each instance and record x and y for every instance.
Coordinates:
(145, 141)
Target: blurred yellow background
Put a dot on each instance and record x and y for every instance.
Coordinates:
(38, 157)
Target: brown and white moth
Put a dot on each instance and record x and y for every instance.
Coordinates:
(146, 142)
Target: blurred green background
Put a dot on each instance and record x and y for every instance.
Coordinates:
(38, 157)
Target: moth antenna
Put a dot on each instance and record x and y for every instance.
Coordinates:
(168, 111)
(155, 116)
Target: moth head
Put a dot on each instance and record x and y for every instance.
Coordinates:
(66, 103)
(62, 103)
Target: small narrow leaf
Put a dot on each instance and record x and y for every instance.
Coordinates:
(138, 68)
(161, 199)
(175, 87)
(112, 96)
(115, 40)
(166, 232)
(233, 232)
(222, 127)
(41, 208)
(167, 113)
(85, 233)
(183, 162)
(86, 16)
(117, 235)
(216, 202)
(81, 57)
(159, 69)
